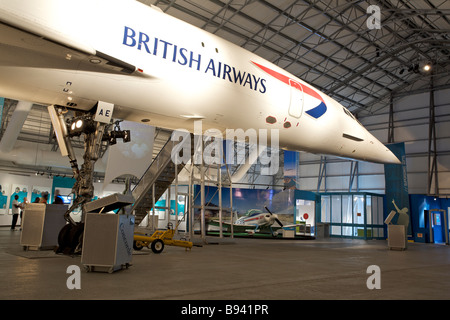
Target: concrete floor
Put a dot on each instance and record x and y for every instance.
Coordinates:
(235, 269)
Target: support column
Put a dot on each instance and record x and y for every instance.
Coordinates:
(432, 149)
(391, 121)
(322, 173)
(354, 174)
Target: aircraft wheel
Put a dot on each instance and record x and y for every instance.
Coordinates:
(137, 245)
(157, 246)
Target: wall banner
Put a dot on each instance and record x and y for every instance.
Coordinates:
(396, 179)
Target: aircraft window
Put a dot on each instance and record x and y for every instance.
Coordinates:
(348, 136)
(252, 213)
(348, 113)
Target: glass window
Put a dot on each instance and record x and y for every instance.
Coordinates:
(369, 231)
(347, 231)
(325, 203)
(369, 209)
(336, 230)
(378, 232)
(347, 202)
(358, 209)
(359, 232)
(336, 207)
(374, 210)
(380, 211)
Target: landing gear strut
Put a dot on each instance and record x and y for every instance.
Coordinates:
(70, 237)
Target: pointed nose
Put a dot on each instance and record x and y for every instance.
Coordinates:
(378, 152)
(391, 158)
(385, 155)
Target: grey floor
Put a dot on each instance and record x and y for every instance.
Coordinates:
(236, 269)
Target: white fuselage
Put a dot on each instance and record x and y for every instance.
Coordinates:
(54, 52)
(257, 220)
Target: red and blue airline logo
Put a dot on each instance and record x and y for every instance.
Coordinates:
(315, 112)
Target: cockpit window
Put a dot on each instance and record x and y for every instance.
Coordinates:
(348, 113)
(253, 212)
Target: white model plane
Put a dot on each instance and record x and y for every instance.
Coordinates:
(157, 69)
(256, 221)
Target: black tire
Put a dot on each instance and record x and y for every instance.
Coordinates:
(77, 238)
(70, 238)
(63, 238)
(137, 245)
(157, 246)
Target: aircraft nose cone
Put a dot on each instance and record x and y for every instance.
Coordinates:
(391, 158)
(378, 152)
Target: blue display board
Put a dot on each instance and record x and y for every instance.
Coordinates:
(397, 197)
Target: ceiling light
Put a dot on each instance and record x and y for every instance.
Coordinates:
(427, 67)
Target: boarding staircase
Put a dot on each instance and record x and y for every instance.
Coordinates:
(156, 180)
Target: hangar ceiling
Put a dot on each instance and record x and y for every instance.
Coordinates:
(327, 43)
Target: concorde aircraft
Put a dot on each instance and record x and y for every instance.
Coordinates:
(156, 69)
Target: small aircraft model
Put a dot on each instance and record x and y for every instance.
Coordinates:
(256, 221)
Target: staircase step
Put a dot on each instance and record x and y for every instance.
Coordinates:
(161, 172)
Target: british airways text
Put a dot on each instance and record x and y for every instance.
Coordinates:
(184, 57)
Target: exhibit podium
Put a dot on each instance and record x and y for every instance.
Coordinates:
(397, 237)
(41, 224)
(107, 242)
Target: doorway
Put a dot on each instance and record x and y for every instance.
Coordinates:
(438, 226)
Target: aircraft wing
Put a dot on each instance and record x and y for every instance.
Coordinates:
(27, 44)
(293, 225)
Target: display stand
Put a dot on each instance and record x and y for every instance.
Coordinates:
(108, 237)
(107, 242)
(397, 237)
(41, 224)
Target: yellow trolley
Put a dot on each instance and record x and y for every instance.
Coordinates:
(159, 239)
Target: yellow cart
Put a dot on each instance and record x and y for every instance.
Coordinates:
(158, 240)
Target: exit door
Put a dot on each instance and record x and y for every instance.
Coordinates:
(296, 101)
(438, 226)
